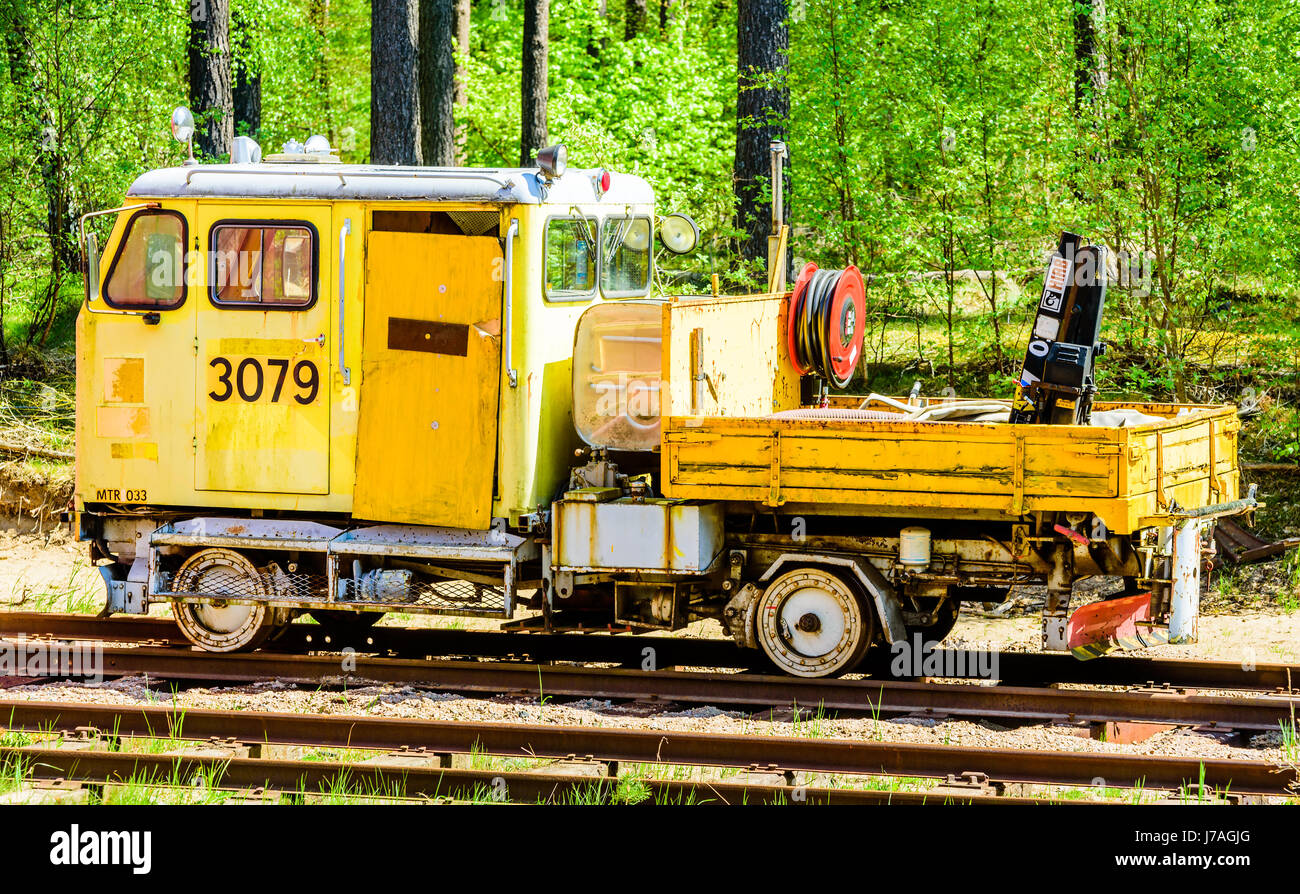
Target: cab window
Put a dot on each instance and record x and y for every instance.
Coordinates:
(149, 267)
(570, 259)
(260, 264)
(625, 257)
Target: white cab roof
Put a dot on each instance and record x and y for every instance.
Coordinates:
(335, 182)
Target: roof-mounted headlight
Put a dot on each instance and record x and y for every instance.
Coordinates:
(553, 160)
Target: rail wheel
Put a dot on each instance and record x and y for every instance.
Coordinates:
(945, 619)
(223, 626)
(812, 623)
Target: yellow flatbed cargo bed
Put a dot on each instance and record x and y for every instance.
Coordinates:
(1132, 478)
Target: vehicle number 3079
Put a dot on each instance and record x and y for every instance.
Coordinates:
(253, 380)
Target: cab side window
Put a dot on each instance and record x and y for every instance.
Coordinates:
(149, 267)
(266, 265)
(570, 259)
(625, 257)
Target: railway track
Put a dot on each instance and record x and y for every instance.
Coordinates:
(255, 777)
(774, 753)
(1016, 668)
(753, 692)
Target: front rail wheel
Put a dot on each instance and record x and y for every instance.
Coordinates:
(810, 622)
(223, 626)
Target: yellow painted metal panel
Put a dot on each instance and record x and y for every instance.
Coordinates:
(262, 405)
(122, 422)
(537, 437)
(134, 395)
(430, 373)
(741, 357)
(124, 380)
(161, 464)
(953, 470)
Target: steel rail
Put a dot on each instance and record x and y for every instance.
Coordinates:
(657, 746)
(722, 689)
(1021, 668)
(296, 777)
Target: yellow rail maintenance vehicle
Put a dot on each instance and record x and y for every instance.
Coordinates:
(312, 387)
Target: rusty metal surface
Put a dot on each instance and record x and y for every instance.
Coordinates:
(1019, 668)
(119, 629)
(866, 696)
(428, 336)
(658, 746)
(1238, 546)
(249, 773)
(246, 533)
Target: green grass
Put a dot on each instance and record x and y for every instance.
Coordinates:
(82, 593)
(810, 725)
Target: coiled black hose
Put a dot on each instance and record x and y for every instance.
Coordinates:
(826, 323)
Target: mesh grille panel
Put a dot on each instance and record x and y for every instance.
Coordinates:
(458, 596)
(230, 584)
(453, 595)
(475, 223)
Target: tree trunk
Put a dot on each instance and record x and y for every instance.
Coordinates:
(437, 82)
(666, 15)
(248, 82)
(595, 45)
(394, 93)
(1089, 61)
(211, 99)
(762, 108)
(537, 16)
(47, 130)
(1089, 81)
(634, 18)
(461, 98)
(319, 13)
(4, 279)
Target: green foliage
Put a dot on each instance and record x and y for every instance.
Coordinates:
(83, 97)
(926, 139)
(931, 138)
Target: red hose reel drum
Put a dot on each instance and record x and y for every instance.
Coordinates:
(826, 323)
(796, 299)
(848, 324)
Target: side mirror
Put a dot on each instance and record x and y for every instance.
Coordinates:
(679, 234)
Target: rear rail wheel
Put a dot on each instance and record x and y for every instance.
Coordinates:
(810, 622)
(944, 619)
(221, 626)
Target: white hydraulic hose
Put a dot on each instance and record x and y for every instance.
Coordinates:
(880, 398)
(939, 411)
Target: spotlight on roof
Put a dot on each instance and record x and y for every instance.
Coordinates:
(245, 151)
(318, 144)
(553, 160)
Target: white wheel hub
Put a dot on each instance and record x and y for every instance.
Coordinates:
(223, 626)
(813, 620)
(810, 623)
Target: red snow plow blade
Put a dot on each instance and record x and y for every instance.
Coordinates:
(1113, 624)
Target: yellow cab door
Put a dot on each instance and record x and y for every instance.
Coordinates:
(431, 361)
(262, 346)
